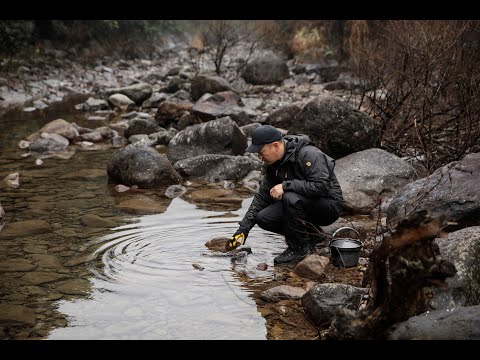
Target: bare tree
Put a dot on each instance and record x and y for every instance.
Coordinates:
(220, 38)
(421, 82)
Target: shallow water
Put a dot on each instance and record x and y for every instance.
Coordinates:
(135, 279)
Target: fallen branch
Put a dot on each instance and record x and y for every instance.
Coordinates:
(402, 268)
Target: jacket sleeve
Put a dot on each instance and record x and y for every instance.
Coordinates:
(316, 172)
(260, 201)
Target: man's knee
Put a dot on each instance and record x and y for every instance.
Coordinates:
(261, 219)
(291, 200)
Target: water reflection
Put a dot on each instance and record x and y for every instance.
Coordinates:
(119, 265)
(145, 286)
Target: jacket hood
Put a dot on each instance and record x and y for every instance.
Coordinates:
(293, 143)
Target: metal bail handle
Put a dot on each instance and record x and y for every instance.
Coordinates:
(343, 228)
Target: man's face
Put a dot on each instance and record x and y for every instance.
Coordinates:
(269, 153)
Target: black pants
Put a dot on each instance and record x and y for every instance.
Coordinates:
(288, 216)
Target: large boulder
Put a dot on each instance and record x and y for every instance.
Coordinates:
(221, 136)
(268, 69)
(202, 84)
(451, 190)
(60, 127)
(368, 175)
(462, 323)
(322, 301)
(137, 92)
(225, 103)
(336, 127)
(284, 116)
(137, 164)
(214, 167)
(171, 110)
(141, 126)
(462, 248)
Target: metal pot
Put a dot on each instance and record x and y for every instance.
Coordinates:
(345, 251)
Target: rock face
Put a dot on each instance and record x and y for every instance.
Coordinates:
(203, 84)
(136, 92)
(213, 167)
(24, 228)
(222, 136)
(451, 190)
(462, 248)
(268, 69)
(462, 323)
(370, 174)
(140, 165)
(336, 127)
(222, 104)
(322, 300)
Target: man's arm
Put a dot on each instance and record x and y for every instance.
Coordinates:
(316, 169)
(260, 201)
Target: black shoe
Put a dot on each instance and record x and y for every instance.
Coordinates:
(290, 255)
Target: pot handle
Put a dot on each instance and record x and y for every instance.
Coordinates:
(343, 228)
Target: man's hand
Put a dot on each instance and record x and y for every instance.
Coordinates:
(237, 239)
(277, 192)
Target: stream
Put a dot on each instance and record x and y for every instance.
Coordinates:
(104, 271)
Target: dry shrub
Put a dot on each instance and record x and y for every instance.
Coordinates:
(196, 42)
(421, 82)
(357, 41)
(309, 44)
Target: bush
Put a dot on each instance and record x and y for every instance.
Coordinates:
(15, 35)
(421, 82)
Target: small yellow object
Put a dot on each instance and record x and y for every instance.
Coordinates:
(236, 241)
(309, 163)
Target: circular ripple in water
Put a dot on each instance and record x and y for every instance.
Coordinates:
(146, 287)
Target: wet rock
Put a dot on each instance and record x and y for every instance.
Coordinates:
(143, 205)
(17, 264)
(47, 261)
(15, 315)
(262, 266)
(121, 188)
(97, 221)
(198, 267)
(60, 127)
(12, 180)
(175, 190)
(218, 244)
(140, 165)
(35, 249)
(39, 277)
(49, 142)
(24, 228)
(77, 261)
(75, 287)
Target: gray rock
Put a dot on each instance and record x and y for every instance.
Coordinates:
(462, 323)
(140, 165)
(451, 190)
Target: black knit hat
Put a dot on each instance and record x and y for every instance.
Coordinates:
(264, 134)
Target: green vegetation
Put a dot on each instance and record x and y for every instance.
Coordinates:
(25, 35)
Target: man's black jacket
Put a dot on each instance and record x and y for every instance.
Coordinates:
(304, 169)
